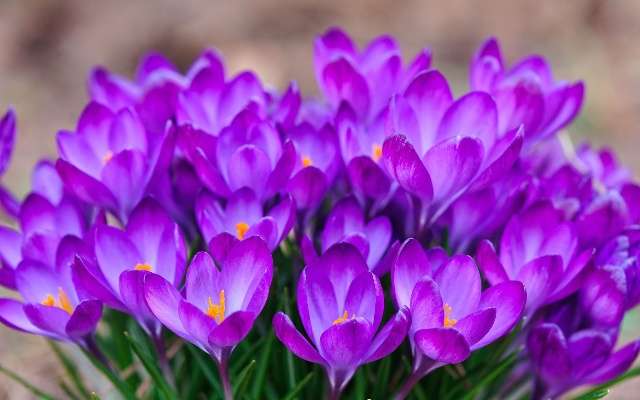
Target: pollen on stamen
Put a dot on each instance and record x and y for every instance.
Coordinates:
(143, 267)
(216, 311)
(306, 161)
(341, 319)
(241, 229)
(48, 301)
(65, 303)
(377, 152)
(448, 322)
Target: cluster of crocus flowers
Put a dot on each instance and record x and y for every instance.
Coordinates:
(177, 194)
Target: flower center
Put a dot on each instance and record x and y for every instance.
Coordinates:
(107, 157)
(306, 161)
(216, 311)
(343, 318)
(376, 152)
(241, 229)
(448, 322)
(143, 267)
(62, 302)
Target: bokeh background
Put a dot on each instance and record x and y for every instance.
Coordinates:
(48, 47)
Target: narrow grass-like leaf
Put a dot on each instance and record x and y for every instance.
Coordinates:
(598, 389)
(122, 386)
(492, 374)
(206, 366)
(150, 364)
(68, 391)
(242, 380)
(17, 378)
(594, 394)
(382, 378)
(298, 388)
(263, 363)
(71, 369)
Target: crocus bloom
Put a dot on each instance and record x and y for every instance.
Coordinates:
(151, 242)
(316, 166)
(219, 305)
(448, 323)
(347, 223)
(52, 307)
(563, 361)
(7, 137)
(540, 249)
(340, 303)
(110, 159)
(243, 217)
(248, 153)
(439, 148)
(526, 94)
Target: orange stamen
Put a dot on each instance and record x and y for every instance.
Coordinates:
(216, 311)
(241, 229)
(143, 267)
(341, 319)
(448, 322)
(377, 152)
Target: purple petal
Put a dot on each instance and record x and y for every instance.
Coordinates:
(427, 308)
(540, 277)
(344, 344)
(126, 176)
(308, 187)
(232, 330)
(550, 354)
(588, 350)
(220, 246)
(365, 298)
(443, 345)
(473, 115)
(52, 320)
(619, 362)
(127, 132)
(410, 266)
(237, 93)
(502, 157)
(249, 167)
(12, 315)
(84, 319)
(115, 254)
(378, 232)
(341, 82)
(46, 181)
(92, 287)
(486, 66)
(196, 323)
(84, 186)
(405, 165)
(564, 104)
(490, 264)
(282, 170)
(460, 271)
(476, 325)
(7, 138)
(390, 336)
(287, 333)
(132, 295)
(284, 214)
(202, 280)
(603, 296)
(367, 177)
(317, 303)
(508, 298)
(163, 300)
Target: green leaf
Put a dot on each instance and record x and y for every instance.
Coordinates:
(291, 372)
(492, 374)
(294, 392)
(205, 365)
(263, 363)
(140, 346)
(242, 380)
(122, 386)
(71, 369)
(68, 391)
(94, 396)
(36, 391)
(594, 394)
(382, 380)
(600, 388)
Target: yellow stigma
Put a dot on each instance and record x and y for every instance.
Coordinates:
(62, 303)
(241, 229)
(107, 157)
(216, 311)
(143, 267)
(448, 322)
(341, 319)
(377, 152)
(306, 161)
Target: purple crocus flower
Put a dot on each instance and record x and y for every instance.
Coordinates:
(346, 223)
(563, 361)
(219, 305)
(540, 249)
(439, 148)
(526, 94)
(340, 303)
(52, 306)
(110, 159)
(248, 153)
(243, 217)
(8, 203)
(316, 166)
(150, 243)
(448, 323)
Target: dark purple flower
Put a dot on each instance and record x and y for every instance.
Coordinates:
(585, 357)
(526, 94)
(540, 249)
(243, 217)
(150, 243)
(110, 159)
(220, 303)
(347, 223)
(340, 303)
(450, 314)
(52, 306)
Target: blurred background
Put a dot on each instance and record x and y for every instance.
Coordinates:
(48, 47)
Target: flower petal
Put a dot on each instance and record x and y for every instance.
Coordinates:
(460, 272)
(232, 330)
(405, 165)
(390, 336)
(343, 345)
(443, 345)
(84, 319)
(508, 298)
(287, 333)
